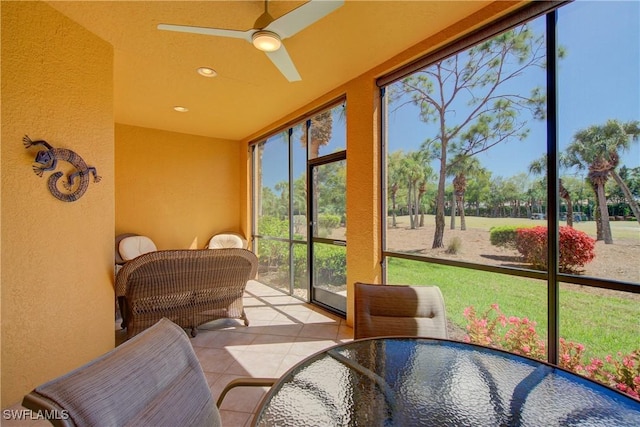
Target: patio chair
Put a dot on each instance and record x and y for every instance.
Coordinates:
(151, 380)
(386, 310)
(154, 379)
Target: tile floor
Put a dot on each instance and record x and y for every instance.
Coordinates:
(282, 331)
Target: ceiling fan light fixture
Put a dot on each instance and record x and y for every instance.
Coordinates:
(266, 41)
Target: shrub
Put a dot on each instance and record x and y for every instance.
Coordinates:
(270, 253)
(504, 236)
(532, 245)
(330, 262)
(576, 248)
(454, 246)
(493, 328)
(327, 223)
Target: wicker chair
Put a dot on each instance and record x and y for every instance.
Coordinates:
(189, 287)
(153, 379)
(399, 310)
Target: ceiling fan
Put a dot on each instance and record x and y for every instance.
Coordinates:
(267, 33)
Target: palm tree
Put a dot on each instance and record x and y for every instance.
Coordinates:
(394, 177)
(539, 167)
(461, 166)
(414, 173)
(319, 132)
(597, 148)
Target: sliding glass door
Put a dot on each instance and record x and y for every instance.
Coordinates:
(327, 228)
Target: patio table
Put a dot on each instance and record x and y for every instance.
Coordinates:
(402, 381)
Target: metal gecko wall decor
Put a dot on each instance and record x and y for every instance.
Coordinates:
(47, 160)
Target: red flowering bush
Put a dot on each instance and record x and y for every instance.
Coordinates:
(576, 248)
(623, 374)
(513, 334)
(492, 328)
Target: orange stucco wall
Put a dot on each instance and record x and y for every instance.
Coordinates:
(57, 257)
(177, 189)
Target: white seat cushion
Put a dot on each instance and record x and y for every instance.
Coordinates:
(227, 240)
(134, 246)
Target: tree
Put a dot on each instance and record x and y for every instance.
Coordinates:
(597, 149)
(517, 186)
(394, 176)
(414, 170)
(469, 100)
(461, 167)
(478, 189)
(631, 178)
(319, 132)
(539, 167)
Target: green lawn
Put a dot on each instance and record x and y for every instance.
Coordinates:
(604, 324)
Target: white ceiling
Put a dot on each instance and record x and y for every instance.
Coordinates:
(156, 70)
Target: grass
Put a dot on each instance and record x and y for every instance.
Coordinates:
(604, 324)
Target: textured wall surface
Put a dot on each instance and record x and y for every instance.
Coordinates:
(177, 189)
(57, 257)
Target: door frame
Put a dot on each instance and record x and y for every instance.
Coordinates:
(321, 297)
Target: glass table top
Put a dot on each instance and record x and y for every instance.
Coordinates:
(426, 382)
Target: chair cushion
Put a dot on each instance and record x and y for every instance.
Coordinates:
(134, 246)
(226, 240)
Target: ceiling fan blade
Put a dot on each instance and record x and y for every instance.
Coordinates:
(282, 60)
(303, 16)
(245, 35)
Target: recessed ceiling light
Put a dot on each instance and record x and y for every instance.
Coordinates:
(180, 109)
(207, 72)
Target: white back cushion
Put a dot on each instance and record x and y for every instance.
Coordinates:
(226, 240)
(134, 246)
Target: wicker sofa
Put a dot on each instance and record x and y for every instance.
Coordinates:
(189, 287)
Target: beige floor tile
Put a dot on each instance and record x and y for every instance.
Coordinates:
(281, 300)
(308, 346)
(223, 339)
(235, 419)
(212, 377)
(320, 330)
(322, 317)
(260, 313)
(285, 319)
(214, 360)
(279, 344)
(289, 361)
(255, 364)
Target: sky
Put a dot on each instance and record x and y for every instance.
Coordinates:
(598, 79)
